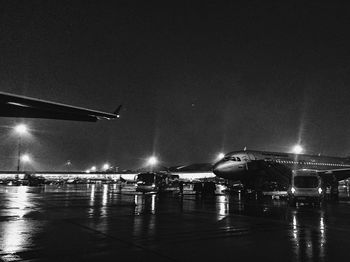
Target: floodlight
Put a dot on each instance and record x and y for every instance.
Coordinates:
(105, 166)
(297, 149)
(152, 161)
(21, 129)
(25, 158)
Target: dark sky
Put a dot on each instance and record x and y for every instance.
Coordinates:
(195, 78)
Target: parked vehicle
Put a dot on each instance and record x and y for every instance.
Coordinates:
(306, 187)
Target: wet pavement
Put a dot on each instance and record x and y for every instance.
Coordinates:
(105, 223)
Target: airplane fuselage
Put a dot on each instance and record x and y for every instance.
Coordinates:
(239, 165)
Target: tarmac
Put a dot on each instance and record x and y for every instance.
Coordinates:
(107, 223)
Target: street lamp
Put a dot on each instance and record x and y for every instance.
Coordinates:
(20, 129)
(25, 158)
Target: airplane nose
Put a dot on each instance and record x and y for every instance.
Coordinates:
(229, 169)
(217, 168)
(222, 167)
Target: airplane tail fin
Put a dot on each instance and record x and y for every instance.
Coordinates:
(117, 111)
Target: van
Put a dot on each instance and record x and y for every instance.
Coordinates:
(306, 187)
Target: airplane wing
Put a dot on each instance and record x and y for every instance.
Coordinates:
(339, 174)
(27, 107)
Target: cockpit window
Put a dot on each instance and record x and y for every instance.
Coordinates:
(234, 158)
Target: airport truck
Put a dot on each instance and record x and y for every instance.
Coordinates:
(306, 187)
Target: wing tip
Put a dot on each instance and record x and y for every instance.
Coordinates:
(117, 111)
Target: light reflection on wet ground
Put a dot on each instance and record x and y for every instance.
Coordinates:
(101, 222)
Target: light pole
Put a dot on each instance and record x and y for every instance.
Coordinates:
(20, 129)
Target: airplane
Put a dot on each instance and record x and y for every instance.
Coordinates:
(27, 107)
(254, 168)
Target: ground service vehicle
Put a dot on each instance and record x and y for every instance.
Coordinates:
(156, 182)
(306, 187)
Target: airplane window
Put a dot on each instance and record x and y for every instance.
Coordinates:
(238, 159)
(233, 158)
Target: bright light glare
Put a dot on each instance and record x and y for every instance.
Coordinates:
(25, 158)
(93, 169)
(105, 167)
(297, 149)
(152, 161)
(21, 129)
(220, 156)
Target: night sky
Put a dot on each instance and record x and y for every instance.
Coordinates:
(195, 78)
